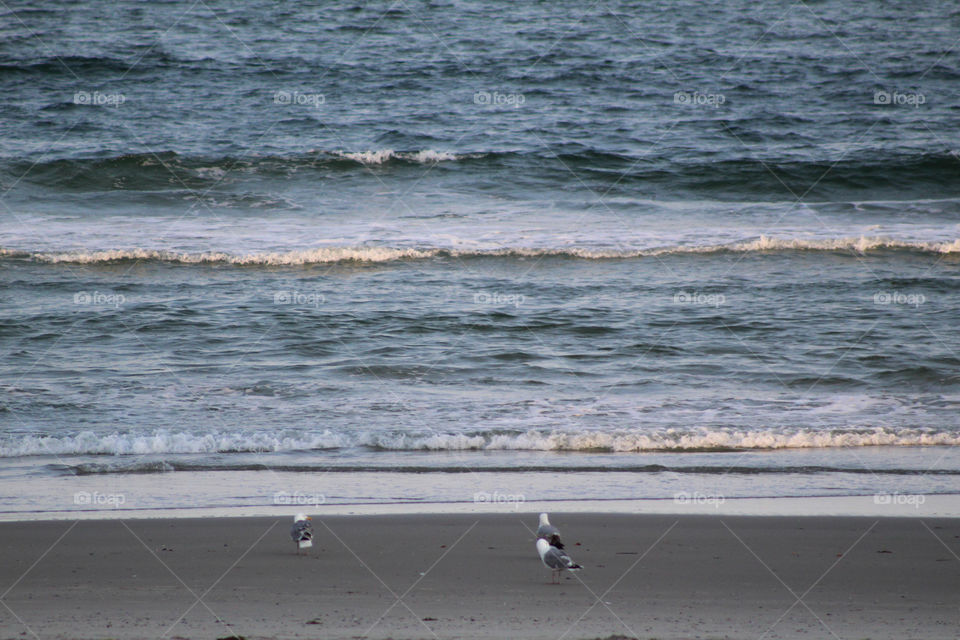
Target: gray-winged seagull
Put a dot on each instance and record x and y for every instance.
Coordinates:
(548, 532)
(302, 532)
(555, 560)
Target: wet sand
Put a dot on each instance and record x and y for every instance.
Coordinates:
(458, 576)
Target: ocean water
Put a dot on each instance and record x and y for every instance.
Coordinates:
(456, 252)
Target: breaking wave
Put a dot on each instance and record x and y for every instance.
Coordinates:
(382, 156)
(171, 442)
(323, 255)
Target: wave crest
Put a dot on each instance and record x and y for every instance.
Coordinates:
(322, 255)
(300, 257)
(382, 156)
(624, 441)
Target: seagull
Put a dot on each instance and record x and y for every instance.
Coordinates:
(302, 532)
(548, 532)
(555, 560)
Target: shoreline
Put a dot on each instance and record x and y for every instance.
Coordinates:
(872, 506)
(478, 576)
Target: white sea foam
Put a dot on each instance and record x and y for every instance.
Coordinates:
(300, 257)
(380, 156)
(165, 442)
(320, 255)
(171, 442)
(861, 244)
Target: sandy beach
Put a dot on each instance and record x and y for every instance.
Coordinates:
(456, 576)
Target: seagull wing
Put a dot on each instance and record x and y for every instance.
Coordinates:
(557, 559)
(301, 530)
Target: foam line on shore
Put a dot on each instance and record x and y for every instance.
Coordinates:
(936, 506)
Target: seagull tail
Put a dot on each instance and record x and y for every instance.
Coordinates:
(555, 541)
(573, 566)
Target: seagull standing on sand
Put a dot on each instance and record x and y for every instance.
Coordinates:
(555, 560)
(548, 532)
(302, 532)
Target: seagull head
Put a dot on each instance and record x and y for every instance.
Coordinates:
(544, 519)
(300, 516)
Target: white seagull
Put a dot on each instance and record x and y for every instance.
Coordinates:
(555, 560)
(548, 532)
(302, 532)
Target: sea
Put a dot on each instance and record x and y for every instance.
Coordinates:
(268, 257)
